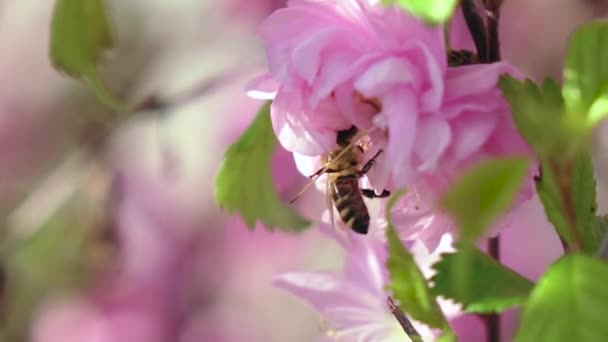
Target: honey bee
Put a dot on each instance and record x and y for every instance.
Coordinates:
(343, 174)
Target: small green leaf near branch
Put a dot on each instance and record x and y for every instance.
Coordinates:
(493, 287)
(557, 122)
(244, 183)
(80, 33)
(408, 284)
(539, 114)
(569, 303)
(568, 192)
(477, 199)
(585, 87)
(483, 193)
(585, 202)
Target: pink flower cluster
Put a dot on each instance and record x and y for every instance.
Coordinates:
(334, 64)
(353, 302)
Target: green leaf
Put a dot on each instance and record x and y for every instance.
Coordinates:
(569, 303)
(579, 184)
(557, 123)
(483, 193)
(80, 32)
(244, 182)
(408, 284)
(492, 286)
(585, 202)
(538, 114)
(433, 11)
(585, 87)
(601, 228)
(449, 336)
(549, 192)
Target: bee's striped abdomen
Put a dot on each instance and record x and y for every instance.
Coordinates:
(349, 203)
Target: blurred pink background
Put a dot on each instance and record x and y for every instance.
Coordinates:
(169, 265)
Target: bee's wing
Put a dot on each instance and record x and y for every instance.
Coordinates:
(330, 204)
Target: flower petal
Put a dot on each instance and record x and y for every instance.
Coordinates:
(293, 129)
(473, 80)
(325, 290)
(383, 75)
(432, 139)
(263, 87)
(401, 112)
(470, 132)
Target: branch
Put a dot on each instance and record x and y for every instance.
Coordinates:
(476, 27)
(492, 21)
(492, 9)
(406, 324)
(492, 321)
(205, 87)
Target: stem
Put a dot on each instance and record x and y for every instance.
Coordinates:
(203, 88)
(492, 21)
(492, 10)
(476, 27)
(492, 321)
(406, 324)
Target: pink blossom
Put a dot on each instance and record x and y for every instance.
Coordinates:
(352, 302)
(335, 294)
(417, 215)
(342, 63)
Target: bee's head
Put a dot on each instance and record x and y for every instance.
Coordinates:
(344, 137)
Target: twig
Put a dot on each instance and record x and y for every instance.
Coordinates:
(477, 28)
(201, 89)
(492, 321)
(492, 10)
(492, 22)
(407, 326)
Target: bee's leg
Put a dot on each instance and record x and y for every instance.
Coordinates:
(365, 169)
(369, 193)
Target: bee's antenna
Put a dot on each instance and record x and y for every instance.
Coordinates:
(304, 189)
